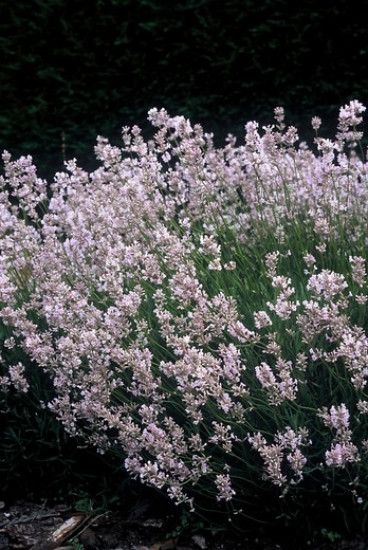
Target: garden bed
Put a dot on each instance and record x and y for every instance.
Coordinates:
(27, 525)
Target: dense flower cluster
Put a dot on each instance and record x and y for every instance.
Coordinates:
(188, 304)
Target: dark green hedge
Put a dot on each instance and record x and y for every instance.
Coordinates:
(79, 67)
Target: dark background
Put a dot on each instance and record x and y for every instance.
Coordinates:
(72, 69)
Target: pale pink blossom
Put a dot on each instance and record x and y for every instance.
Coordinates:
(223, 485)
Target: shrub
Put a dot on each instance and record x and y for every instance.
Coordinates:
(201, 313)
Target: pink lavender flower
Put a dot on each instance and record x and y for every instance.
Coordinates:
(316, 123)
(262, 319)
(342, 450)
(223, 485)
(341, 454)
(280, 388)
(359, 273)
(349, 118)
(285, 450)
(327, 284)
(17, 377)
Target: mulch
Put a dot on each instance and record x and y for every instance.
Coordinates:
(33, 526)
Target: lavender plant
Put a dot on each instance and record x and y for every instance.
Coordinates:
(201, 311)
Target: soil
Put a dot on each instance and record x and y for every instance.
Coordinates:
(31, 526)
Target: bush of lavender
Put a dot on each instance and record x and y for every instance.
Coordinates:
(201, 312)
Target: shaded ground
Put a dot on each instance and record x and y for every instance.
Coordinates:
(26, 525)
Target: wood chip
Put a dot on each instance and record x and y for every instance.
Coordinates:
(199, 541)
(63, 533)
